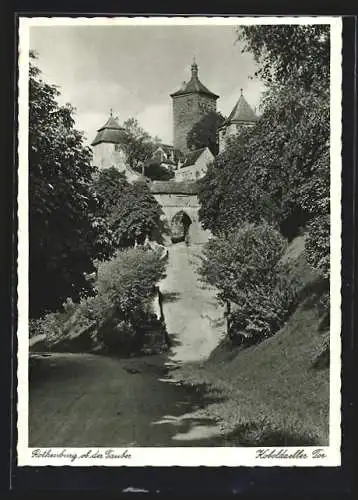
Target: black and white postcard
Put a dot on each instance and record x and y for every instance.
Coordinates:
(179, 241)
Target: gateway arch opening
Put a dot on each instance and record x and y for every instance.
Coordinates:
(180, 226)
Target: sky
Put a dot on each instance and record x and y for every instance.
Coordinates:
(133, 69)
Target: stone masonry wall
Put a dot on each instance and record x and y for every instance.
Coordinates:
(187, 111)
(106, 155)
(174, 203)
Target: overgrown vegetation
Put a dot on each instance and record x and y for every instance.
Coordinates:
(275, 393)
(157, 172)
(205, 132)
(276, 173)
(79, 219)
(246, 268)
(66, 231)
(120, 312)
(130, 210)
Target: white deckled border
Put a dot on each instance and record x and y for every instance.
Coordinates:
(180, 456)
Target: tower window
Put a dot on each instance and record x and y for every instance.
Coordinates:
(117, 147)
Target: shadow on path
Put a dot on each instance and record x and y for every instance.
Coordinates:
(83, 400)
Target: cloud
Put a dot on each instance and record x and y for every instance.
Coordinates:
(93, 101)
(156, 119)
(89, 123)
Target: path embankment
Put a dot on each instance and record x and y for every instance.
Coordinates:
(277, 392)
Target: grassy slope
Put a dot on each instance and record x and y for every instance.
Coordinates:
(274, 395)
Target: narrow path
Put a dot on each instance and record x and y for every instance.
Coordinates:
(84, 400)
(192, 315)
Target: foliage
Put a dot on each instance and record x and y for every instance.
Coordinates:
(279, 171)
(125, 290)
(66, 233)
(317, 245)
(223, 192)
(136, 143)
(157, 172)
(121, 308)
(131, 211)
(110, 184)
(205, 132)
(285, 50)
(245, 267)
(296, 133)
(281, 162)
(128, 279)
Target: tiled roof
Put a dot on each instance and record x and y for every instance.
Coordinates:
(242, 112)
(110, 132)
(194, 86)
(173, 187)
(169, 150)
(192, 157)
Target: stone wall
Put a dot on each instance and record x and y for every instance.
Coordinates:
(174, 203)
(188, 109)
(106, 155)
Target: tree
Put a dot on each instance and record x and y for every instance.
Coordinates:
(157, 172)
(110, 185)
(66, 233)
(286, 51)
(301, 66)
(131, 211)
(205, 132)
(137, 144)
(272, 171)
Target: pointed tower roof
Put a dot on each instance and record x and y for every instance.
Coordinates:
(194, 85)
(242, 112)
(110, 132)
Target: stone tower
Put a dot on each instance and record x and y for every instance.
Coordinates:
(108, 151)
(190, 104)
(242, 116)
(106, 145)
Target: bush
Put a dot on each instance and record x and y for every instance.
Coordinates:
(317, 246)
(126, 282)
(50, 325)
(264, 311)
(125, 291)
(245, 267)
(122, 307)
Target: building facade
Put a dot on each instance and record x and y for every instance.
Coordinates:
(195, 165)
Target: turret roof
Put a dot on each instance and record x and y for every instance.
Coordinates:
(242, 112)
(111, 132)
(194, 85)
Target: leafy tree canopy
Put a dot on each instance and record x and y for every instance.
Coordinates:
(131, 210)
(284, 52)
(204, 132)
(137, 144)
(66, 232)
(279, 170)
(157, 172)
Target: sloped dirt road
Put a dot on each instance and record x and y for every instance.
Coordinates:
(84, 400)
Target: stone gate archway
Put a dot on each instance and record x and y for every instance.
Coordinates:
(179, 226)
(176, 197)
